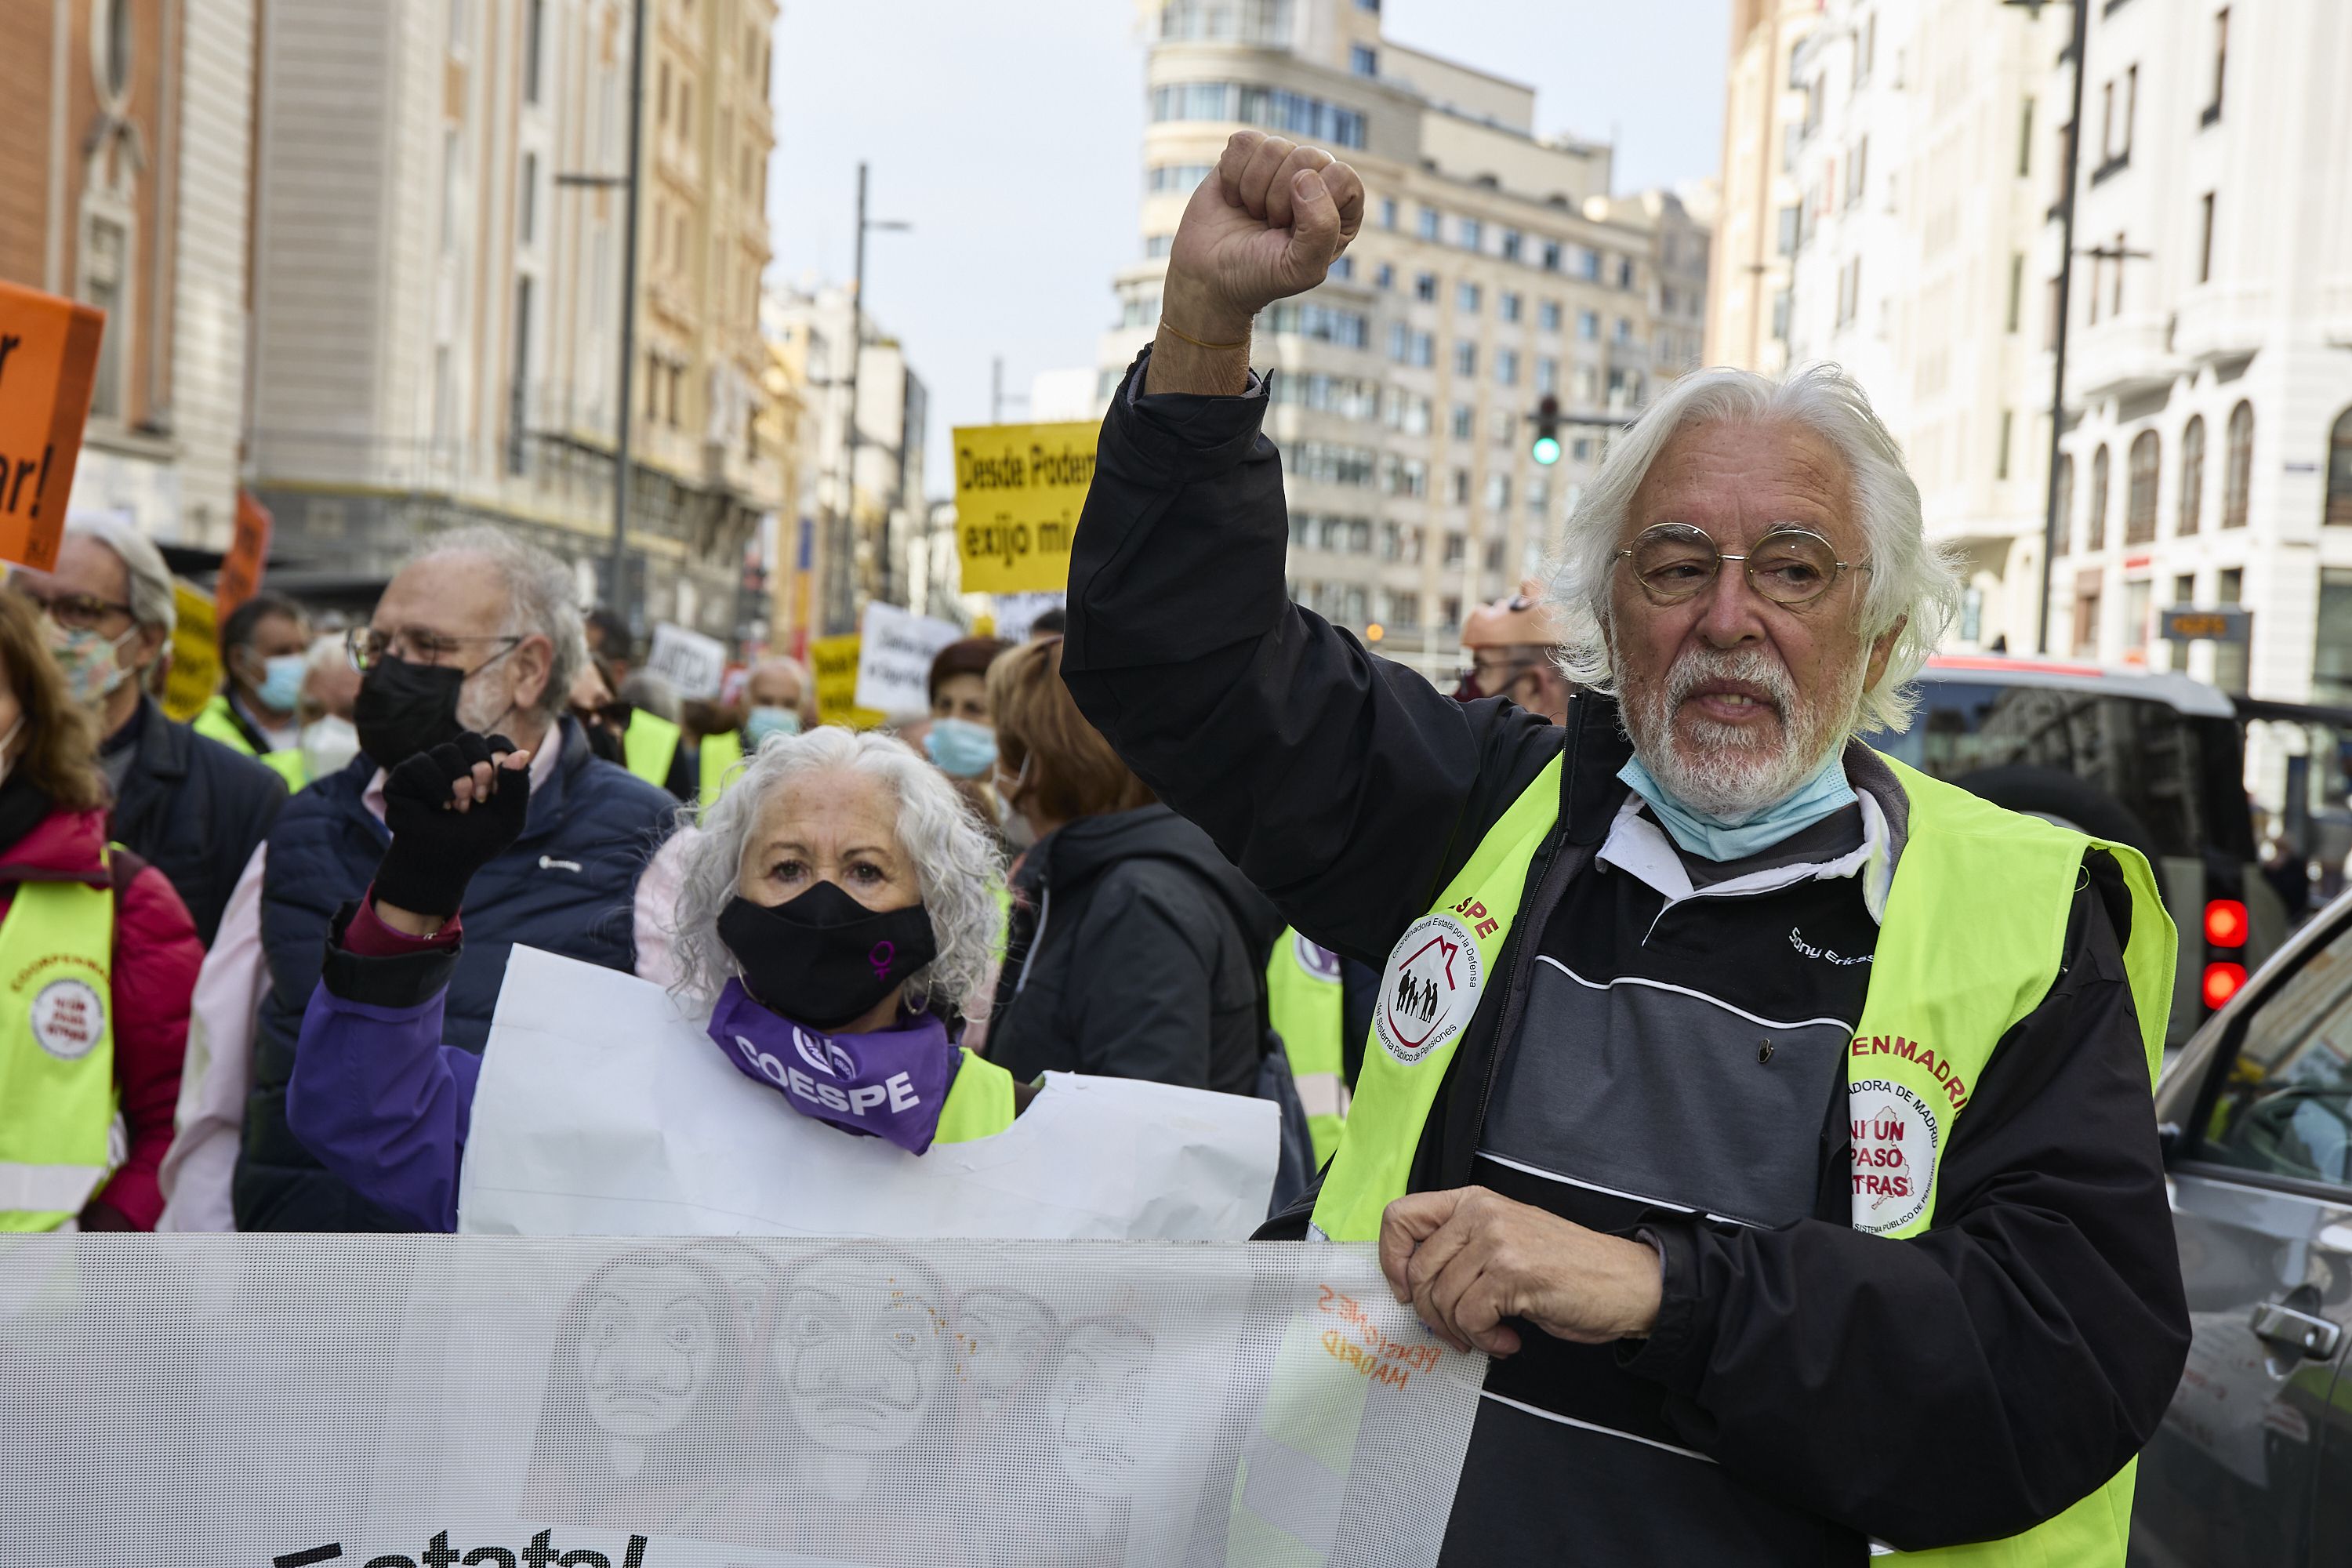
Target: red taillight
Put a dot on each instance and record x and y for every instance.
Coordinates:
(2222, 982)
(2225, 924)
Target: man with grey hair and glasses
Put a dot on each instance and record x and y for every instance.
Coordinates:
(1776, 1117)
(480, 633)
(188, 805)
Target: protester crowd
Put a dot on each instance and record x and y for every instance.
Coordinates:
(302, 856)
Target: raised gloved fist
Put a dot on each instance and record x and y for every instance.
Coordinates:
(452, 810)
(1267, 223)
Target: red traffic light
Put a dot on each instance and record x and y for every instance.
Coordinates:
(2223, 981)
(2225, 922)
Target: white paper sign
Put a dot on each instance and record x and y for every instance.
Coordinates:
(1016, 612)
(693, 663)
(895, 649)
(602, 1111)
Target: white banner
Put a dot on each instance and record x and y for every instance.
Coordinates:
(895, 650)
(426, 1402)
(602, 1111)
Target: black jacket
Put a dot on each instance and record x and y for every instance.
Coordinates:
(1136, 950)
(2021, 1350)
(195, 810)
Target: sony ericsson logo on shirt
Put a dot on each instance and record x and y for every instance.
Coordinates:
(1429, 987)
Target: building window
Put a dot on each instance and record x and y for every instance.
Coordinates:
(2000, 455)
(527, 199)
(1856, 163)
(2095, 529)
(1465, 357)
(1547, 316)
(1507, 367)
(1388, 212)
(1474, 234)
(1588, 325)
(1458, 545)
(2338, 510)
(1323, 323)
(2238, 476)
(517, 401)
(2016, 310)
(1275, 109)
(1364, 61)
(1384, 276)
(1411, 348)
(2230, 657)
(1424, 287)
(1514, 243)
(1624, 337)
(2025, 139)
(1465, 422)
(534, 33)
(2331, 664)
(1467, 297)
(1343, 268)
(106, 284)
(2192, 477)
(2220, 63)
(2086, 623)
(1551, 256)
(1792, 218)
(2139, 496)
(2205, 237)
(1498, 493)
(1176, 178)
(1624, 272)
(2065, 504)
(1547, 374)
(1429, 220)
(1507, 306)
(2137, 599)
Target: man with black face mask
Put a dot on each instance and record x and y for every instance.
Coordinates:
(479, 634)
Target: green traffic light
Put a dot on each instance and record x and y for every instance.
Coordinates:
(1547, 450)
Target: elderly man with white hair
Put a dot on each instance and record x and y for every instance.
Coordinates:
(190, 806)
(480, 633)
(1777, 1118)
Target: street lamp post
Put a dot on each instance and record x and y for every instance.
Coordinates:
(847, 534)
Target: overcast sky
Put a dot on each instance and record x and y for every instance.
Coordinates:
(1009, 132)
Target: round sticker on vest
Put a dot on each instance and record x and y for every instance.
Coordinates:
(1319, 963)
(68, 1018)
(1428, 988)
(1894, 1135)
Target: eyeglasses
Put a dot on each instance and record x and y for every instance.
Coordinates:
(1676, 562)
(1494, 677)
(73, 612)
(370, 647)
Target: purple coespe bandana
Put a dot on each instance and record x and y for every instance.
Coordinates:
(889, 1084)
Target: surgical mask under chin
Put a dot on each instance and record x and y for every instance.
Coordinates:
(1716, 838)
(281, 686)
(92, 661)
(328, 745)
(767, 720)
(961, 747)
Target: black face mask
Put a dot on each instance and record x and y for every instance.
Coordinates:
(404, 709)
(823, 959)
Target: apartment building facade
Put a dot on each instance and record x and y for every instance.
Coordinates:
(1757, 222)
(129, 130)
(439, 283)
(1495, 269)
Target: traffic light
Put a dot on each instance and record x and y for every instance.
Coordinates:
(1546, 449)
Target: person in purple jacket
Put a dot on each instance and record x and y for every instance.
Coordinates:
(836, 915)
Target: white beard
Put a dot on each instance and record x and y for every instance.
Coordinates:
(1732, 771)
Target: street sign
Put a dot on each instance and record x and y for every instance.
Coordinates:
(1018, 491)
(2186, 624)
(693, 663)
(895, 649)
(49, 362)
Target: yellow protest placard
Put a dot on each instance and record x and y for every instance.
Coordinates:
(195, 653)
(834, 662)
(1018, 491)
(49, 362)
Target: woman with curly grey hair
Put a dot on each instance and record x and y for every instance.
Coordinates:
(835, 919)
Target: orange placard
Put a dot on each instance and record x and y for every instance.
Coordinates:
(48, 359)
(240, 573)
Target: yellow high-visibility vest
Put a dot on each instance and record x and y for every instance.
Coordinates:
(56, 1052)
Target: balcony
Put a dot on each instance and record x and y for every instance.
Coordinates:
(2123, 356)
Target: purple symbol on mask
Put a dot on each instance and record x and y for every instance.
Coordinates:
(881, 958)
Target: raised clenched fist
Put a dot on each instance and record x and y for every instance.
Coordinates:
(1267, 223)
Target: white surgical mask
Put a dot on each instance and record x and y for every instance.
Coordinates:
(328, 745)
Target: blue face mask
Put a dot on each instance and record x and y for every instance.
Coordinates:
(962, 749)
(1717, 839)
(281, 686)
(764, 721)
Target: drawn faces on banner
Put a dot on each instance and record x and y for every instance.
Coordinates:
(650, 1382)
(1100, 1405)
(751, 1279)
(1004, 1336)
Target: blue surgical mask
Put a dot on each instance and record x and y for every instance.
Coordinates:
(281, 686)
(764, 721)
(1717, 839)
(962, 749)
